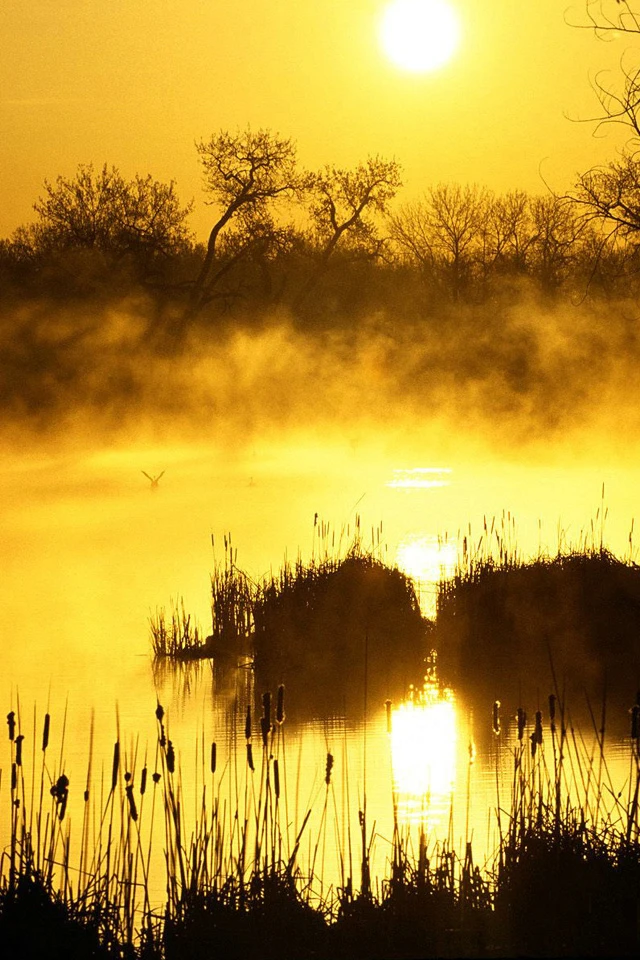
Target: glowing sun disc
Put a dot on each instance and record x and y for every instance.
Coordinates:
(419, 35)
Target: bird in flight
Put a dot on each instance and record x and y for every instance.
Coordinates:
(154, 480)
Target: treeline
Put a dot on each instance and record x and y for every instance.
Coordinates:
(325, 244)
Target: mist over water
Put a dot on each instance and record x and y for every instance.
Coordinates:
(518, 413)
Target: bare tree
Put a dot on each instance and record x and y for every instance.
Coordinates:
(344, 209)
(245, 175)
(557, 232)
(443, 231)
(141, 218)
(507, 233)
(609, 195)
(608, 20)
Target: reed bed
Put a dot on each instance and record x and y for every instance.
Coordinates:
(505, 623)
(313, 623)
(564, 881)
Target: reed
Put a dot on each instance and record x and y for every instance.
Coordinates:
(565, 879)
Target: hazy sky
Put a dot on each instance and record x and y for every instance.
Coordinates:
(135, 82)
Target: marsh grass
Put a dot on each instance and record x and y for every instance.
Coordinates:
(505, 624)
(175, 635)
(565, 879)
(312, 621)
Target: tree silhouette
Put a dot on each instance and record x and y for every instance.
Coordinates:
(245, 175)
(343, 209)
(139, 220)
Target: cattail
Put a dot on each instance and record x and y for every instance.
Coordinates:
(156, 777)
(159, 713)
(11, 723)
(276, 778)
(171, 758)
(635, 722)
(143, 781)
(127, 777)
(328, 769)
(496, 717)
(45, 732)
(265, 728)
(387, 704)
(250, 756)
(14, 777)
(116, 764)
(86, 796)
(213, 757)
(538, 727)
(552, 712)
(132, 803)
(60, 792)
(266, 707)
(247, 724)
(19, 740)
(522, 722)
(63, 802)
(280, 705)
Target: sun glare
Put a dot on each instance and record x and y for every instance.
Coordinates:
(419, 35)
(423, 755)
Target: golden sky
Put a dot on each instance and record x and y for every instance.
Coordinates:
(135, 82)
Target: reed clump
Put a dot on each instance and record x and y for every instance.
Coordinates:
(175, 636)
(501, 620)
(341, 620)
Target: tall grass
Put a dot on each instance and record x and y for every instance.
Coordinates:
(565, 879)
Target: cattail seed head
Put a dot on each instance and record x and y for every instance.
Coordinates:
(14, 777)
(143, 781)
(280, 705)
(171, 758)
(250, 757)
(213, 757)
(496, 717)
(19, 740)
(538, 727)
(276, 778)
(247, 724)
(159, 713)
(522, 722)
(133, 812)
(266, 708)
(45, 732)
(328, 769)
(11, 723)
(156, 778)
(635, 722)
(116, 764)
(552, 706)
(265, 728)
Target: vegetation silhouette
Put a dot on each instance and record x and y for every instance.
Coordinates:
(504, 626)
(565, 879)
(339, 629)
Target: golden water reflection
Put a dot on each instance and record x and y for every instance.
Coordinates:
(424, 738)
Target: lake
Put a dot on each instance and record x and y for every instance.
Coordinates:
(91, 550)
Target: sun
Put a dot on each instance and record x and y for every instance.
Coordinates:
(419, 35)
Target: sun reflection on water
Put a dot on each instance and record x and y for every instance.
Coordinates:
(423, 734)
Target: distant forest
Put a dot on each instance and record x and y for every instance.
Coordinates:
(327, 246)
(109, 277)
